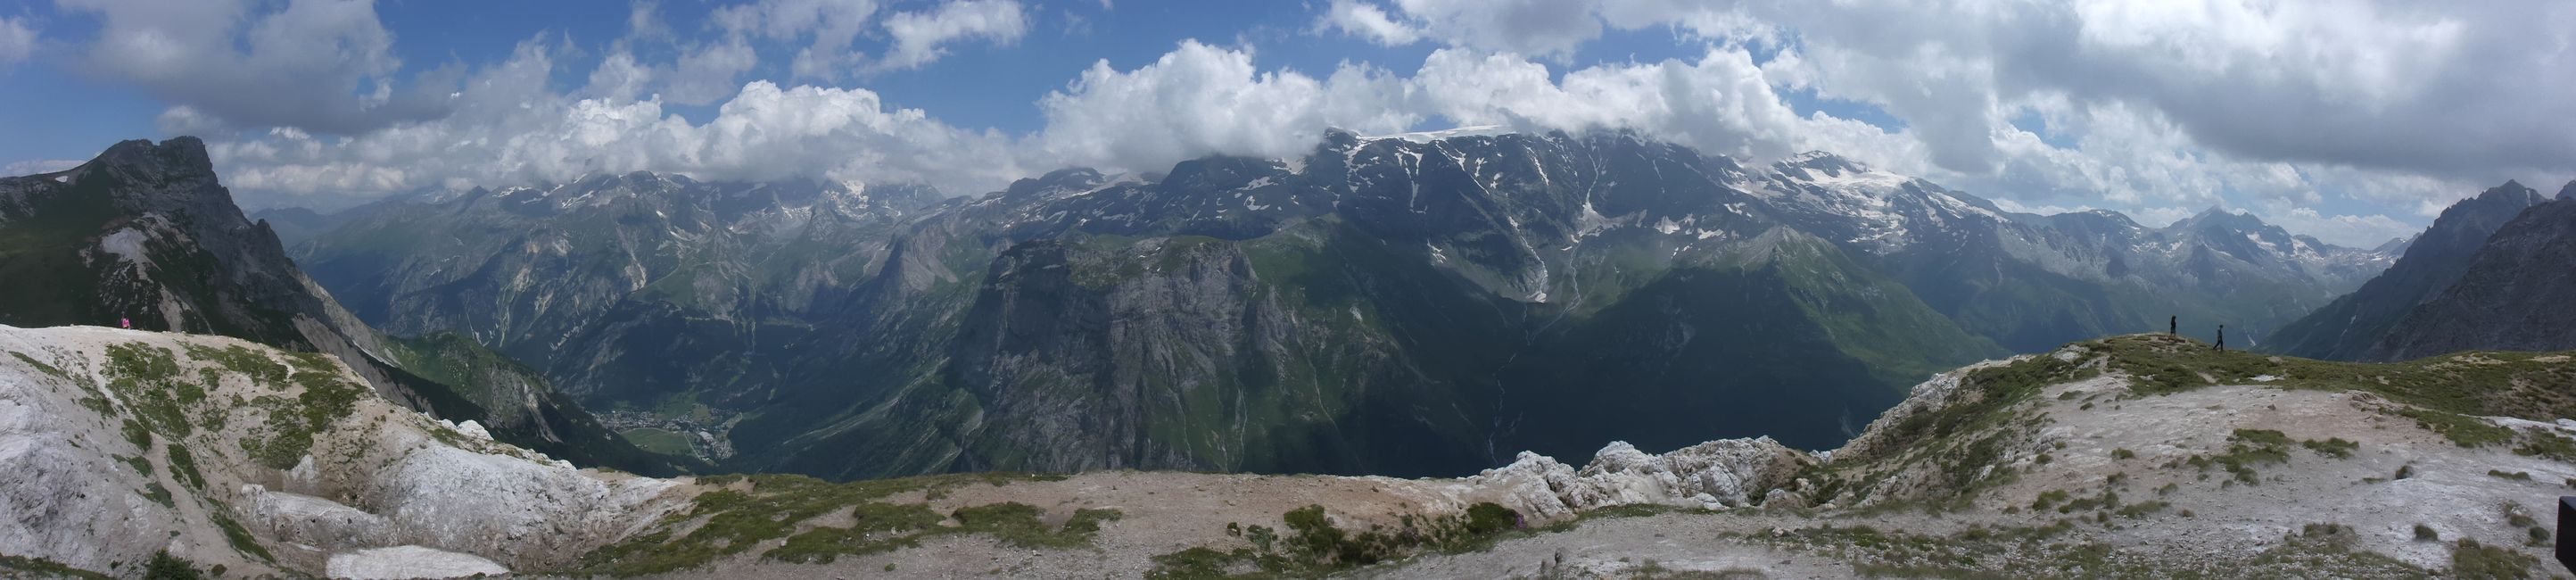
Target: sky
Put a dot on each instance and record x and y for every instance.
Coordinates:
(2355, 121)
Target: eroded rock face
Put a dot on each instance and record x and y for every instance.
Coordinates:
(124, 443)
(1717, 474)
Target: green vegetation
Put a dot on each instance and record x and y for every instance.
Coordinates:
(2247, 448)
(137, 434)
(657, 440)
(2040, 552)
(2336, 447)
(261, 369)
(2424, 533)
(2142, 509)
(159, 495)
(1315, 546)
(147, 378)
(2548, 445)
(2536, 386)
(140, 465)
(2516, 476)
(183, 465)
(238, 536)
(16, 566)
(167, 567)
(754, 510)
(2472, 560)
(291, 424)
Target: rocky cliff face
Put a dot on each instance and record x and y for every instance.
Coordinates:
(146, 234)
(2351, 326)
(2514, 293)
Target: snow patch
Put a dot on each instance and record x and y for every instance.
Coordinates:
(1430, 136)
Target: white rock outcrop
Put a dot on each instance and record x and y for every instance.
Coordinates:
(403, 562)
(382, 491)
(1717, 474)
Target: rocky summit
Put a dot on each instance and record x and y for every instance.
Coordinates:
(2132, 456)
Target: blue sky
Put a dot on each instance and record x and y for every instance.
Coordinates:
(2356, 130)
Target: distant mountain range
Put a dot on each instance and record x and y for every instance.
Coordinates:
(145, 236)
(1407, 305)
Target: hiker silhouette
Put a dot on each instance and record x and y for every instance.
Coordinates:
(2173, 325)
(2222, 337)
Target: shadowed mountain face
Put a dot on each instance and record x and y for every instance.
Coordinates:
(1381, 305)
(2517, 292)
(145, 235)
(2352, 326)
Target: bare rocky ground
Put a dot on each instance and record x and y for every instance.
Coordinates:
(2131, 457)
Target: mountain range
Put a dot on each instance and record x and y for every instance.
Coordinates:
(1408, 305)
(2492, 273)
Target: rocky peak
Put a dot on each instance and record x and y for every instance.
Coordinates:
(1819, 162)
(2568, 192)
(2511, 192)
(1061, 180)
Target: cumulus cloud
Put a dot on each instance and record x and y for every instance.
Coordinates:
(322, 65)
(831, 24)
(918, 36)
(17, 41)
(707, 73)
(1366, 21)
(1533, 27)
(2377, 108)
(507, 129)
(1200, 99)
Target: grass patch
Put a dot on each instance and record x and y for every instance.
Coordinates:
(30, 567)
(159, 495)
(2247, 448)
(183, 465)
(291, 423)
(240, 537)
(1315, 546)
(2335, 447)
(2470, 559)
(2142, 509)
(757, 509)
(2516, 476)
(164, 566)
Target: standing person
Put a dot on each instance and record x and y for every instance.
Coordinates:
(2173, 325)
(2222, 338)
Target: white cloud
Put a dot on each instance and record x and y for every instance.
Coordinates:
(618, 78)
(706, 73)
(833, 25)
(324, 65)
(17, 41)
(1365, 20)
(2373, 108)
(1533, 27)
(2360, 231)
(1200, 99)
(918, 35)
(508, 130)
